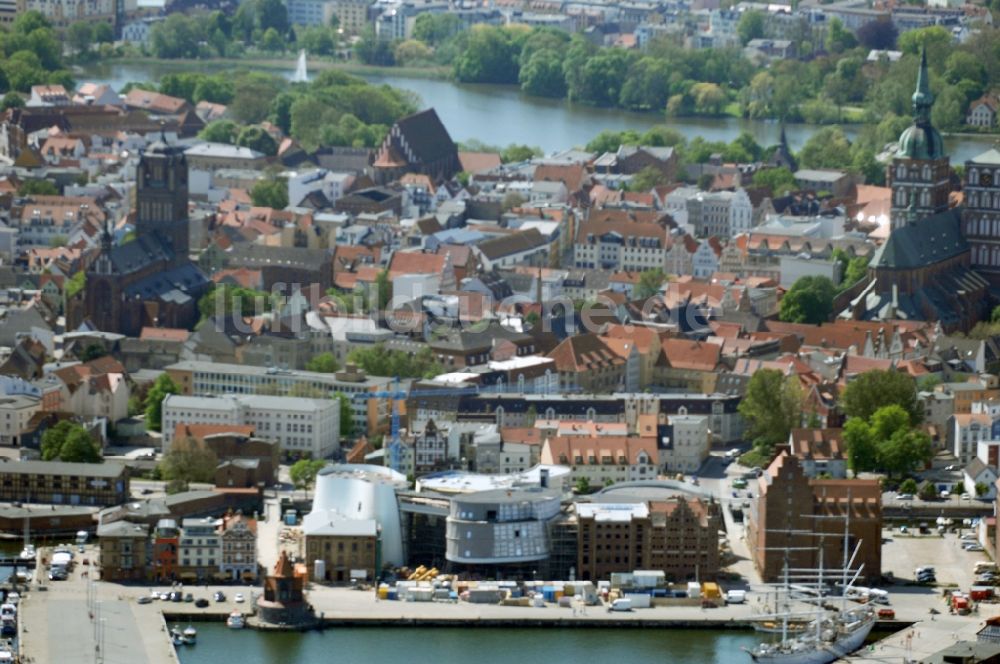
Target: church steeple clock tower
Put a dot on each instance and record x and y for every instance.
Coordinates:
(162, 196)
(920, 171)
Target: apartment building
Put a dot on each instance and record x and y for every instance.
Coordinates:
(124, 551)
(620, 245)
(200, 550)
(238, 547)
(15, 413)
(202, 378)
(302, 427)
(717, 213)
(603, 460)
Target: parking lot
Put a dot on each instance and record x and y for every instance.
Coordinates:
(953, 565)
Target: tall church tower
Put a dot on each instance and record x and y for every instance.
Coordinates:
(919, 173)
(162, 196)
(981, 214)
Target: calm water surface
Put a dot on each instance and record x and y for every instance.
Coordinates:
(500, 115)
(218, 645)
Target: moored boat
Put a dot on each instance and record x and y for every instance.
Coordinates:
(190, 633)
(235, 620)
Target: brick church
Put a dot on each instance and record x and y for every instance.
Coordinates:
(930, 267)
(150, 281)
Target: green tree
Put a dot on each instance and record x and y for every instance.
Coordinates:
(928, 491)
(872, 390)
(647, 178)
(750, 26)
(346, 416)
(188, 461)
(772, 406)
(323, 363)
(981, 489)
(37, 188)
(909, 485)
(779, 181)
(317, 39)
(432, 28)
(374, 51)
(827, 148)
(256, 138)
(11, 100)
(809, 300)
(839, 38)
(272, 41)
(904, 452)
(219, 131)
(272, 193)
(490, 56)
(650, 282)
(303, 473)
(103, 33)
(582, 485)
(70, 442)
(162, 386)
(862, 450)
(542, 75)
(93, 352)
(936, 39)
(515, 153)
(76, 283)
(80, 35)
(380, 361)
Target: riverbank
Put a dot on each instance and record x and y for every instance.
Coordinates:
(285, 65)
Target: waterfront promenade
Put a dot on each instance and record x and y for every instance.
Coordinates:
(58, 625)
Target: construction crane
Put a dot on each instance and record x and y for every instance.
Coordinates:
(397, 394)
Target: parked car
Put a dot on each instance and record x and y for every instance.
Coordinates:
(201, 602)
(145, 599)
(176, 596)
(904, 496)
(967, 536)
(238, 598)
(951, 467)
(219, 596)
(973, 546)
(189, 597)
(888, 614)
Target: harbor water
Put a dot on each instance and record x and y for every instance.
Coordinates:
(440, 645)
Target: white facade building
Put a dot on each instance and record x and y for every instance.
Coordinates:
(301, 426)
(688, 444)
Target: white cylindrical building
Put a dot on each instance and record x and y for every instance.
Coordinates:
(360, 492)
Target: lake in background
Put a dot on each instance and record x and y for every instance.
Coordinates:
(500, 115)
(439, 645)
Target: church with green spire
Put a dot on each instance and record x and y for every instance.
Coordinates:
(924, 269)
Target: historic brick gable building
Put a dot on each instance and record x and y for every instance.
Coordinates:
(418, 143)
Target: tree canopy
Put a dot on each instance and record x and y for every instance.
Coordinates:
(875, 389)
(772, 407)
(188, 461)
(809, 300)
(70, 442)
(323, 363)
(303, 472)
(163, 386)
(380, 361)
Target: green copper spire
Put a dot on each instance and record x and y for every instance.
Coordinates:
(923, 99)
(921, 140)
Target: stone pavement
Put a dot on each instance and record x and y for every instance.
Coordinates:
(56, 625)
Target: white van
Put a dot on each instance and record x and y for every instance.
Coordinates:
(878, 595)
(984, 566)
(736, 596)
(621, 604)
